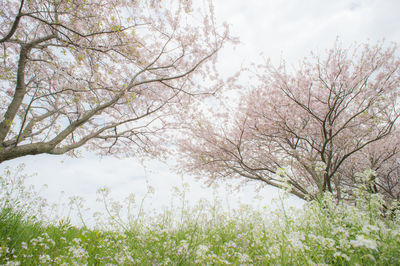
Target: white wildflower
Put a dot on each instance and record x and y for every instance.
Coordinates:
(366, 176)
(51, 241)
(44, 259)
(12, 263)
(230, 245)
(369, 173)
(201, 250)
(76, 241)
(78, 252)
(243, 258)
(24, 245)
(367, 229)
(296, 240)
(361, 241)
(183, 248)
(341, 231)
(274, 251)
(342, 255)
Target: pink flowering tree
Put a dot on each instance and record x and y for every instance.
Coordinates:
(381, 164)
(310, 130)
(108, 74)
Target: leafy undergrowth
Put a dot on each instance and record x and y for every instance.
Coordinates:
(206, 234)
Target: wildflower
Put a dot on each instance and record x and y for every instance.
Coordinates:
(35, 241)
(342, 255)
(44, 259)
(295, 241)
(12, 263)
(24, 245)
(230, 245)
(344, 243)
(201, 250)
(105, 191)
(122, 257)
(243, 258)
(341, 231)
(44, 246)
(366, 176)
(367, 229)
(361, 241)
(76, 241)
(78, 253)
(369, 173)
(182, 248)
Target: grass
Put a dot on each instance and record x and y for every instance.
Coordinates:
(321, 233)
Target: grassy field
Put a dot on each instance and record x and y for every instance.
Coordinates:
(320, 233)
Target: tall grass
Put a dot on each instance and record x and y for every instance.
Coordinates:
(321, 232)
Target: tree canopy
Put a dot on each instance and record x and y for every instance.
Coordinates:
(106, 74)
(312, 130)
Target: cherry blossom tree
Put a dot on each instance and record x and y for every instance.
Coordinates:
(105, 74)
(310, 130)
(381, 161)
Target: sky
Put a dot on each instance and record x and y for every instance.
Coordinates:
(290, 29)
(275, 29)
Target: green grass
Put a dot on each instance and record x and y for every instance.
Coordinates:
(208, 234)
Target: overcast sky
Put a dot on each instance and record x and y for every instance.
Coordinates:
(291, 29)
(279, 29)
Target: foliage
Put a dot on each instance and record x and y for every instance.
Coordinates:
(109, 74)
(322, 232)
(312, 129)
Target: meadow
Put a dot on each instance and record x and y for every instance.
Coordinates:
(320, 233)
